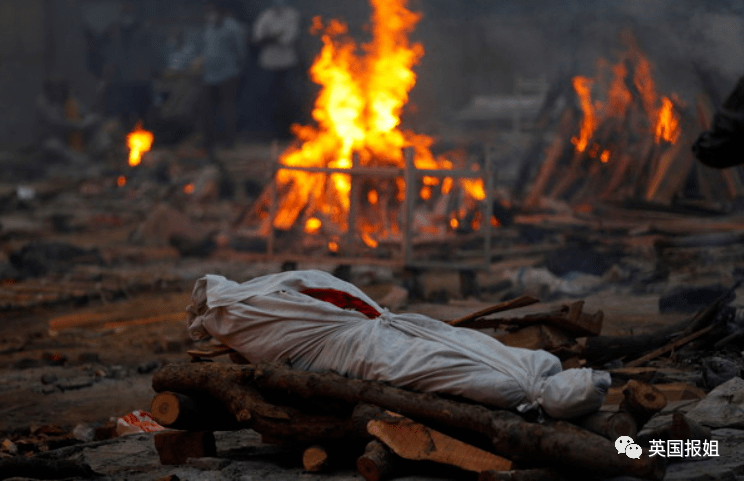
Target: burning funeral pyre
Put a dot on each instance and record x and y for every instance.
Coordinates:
(627, 141)
(357, 115)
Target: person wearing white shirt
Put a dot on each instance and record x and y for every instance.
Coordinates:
(276, 32)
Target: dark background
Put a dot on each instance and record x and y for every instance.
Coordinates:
(473, 47)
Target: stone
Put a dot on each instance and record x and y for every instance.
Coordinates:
(723, 407)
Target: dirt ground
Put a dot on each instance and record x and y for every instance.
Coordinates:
(79, 343)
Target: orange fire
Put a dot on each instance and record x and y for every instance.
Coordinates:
(633, 68)
(583, 87)
(139, 141)
(667, 125)
(357, 122)
(121, 181)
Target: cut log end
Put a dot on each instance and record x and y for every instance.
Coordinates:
(168, 408)
(315, 459)
(642, 401)
(377, 463)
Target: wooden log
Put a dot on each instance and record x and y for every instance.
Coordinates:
(611, 425)
(411, 440)
(178, 411)
(377, 463)
(315, 459)
(521, 301)
(642, 401)
(230, 387)
(509, 433)
(601, 349)
(547, 170)
(669, 347)
(525, 475)
(168, 408)
(558, 442)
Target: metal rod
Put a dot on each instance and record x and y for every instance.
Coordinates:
(273, 199)
(353, 206)
(384, 171)
(488, 207)
(410, 176)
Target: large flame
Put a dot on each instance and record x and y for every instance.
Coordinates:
(357, 119)
(139, 141)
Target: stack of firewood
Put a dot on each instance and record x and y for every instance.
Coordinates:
(330, 415)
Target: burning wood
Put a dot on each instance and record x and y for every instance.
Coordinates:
(627, 136)
(357, 115)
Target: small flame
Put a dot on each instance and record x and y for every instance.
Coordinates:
(605, 156)
(454, 223)
(313, 225)
(188, 189)
(667, 124)
(447, 185)
(495, 222)
(121, 181)
(583, 87)
(139, 141)
(333, 246)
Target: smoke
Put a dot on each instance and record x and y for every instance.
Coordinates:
(479, 47)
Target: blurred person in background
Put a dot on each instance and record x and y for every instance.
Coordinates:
(66, 130)
(223, 59)
(177, 90)
(276, 31)
(132, 69)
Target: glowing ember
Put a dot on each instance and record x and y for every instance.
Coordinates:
(333, 246)
(425, 192)
(121, 181)
(372, 197)
(454, 223)
(139, 141)
(313, 225)
(605, 157)
(188, 189)
(369, 240)
(357, 122)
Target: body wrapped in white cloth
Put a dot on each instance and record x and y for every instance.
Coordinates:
(285, 316)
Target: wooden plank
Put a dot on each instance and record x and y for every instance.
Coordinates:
(669, 347)
(411, 440)
(546, 173)
(521, 301)
(539, 336)
(674, 392)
